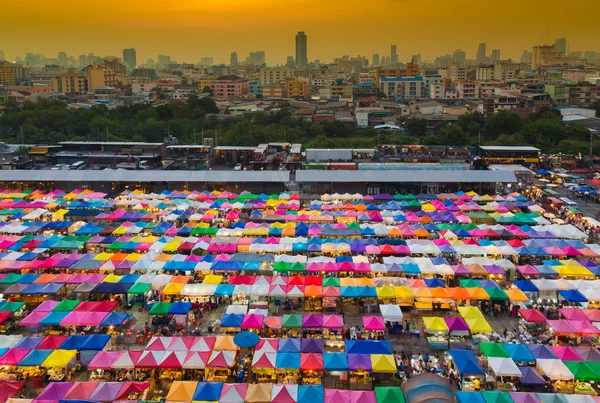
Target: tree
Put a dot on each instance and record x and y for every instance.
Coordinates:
(501, 122)
(207, 90)
(416, 127)
(452, 135)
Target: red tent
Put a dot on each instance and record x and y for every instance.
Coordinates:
(532, 315)
(311, 362)
(10, 388)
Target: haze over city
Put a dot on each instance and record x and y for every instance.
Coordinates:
(188, 30)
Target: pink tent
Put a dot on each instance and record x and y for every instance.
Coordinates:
(264, 360)
(284, 393)
(81, 391)
(252, 321)
(528, 270)
(233, 392)
(33, 319)
(573, 314)
(159, 343)
(566, 353)
(584, 328)
(373, 323)
(172, 359)
(337, 396)
(104, 360)
(196, 359)
(267, 345)
(592, 314)
(333, 321)
(562, 327)
(13, 356)
(362, 396)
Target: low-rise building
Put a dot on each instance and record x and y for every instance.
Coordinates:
(365, 90)
(7, 74)
(279, 75)
(70, 83)
(467, 90)
(298, 88)
(403, 87)
(229, 86)
(274, 91)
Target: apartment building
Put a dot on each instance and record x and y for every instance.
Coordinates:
(70, 83)
(270, 76)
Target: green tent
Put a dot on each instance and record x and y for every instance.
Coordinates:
(496, 397)
(66, 305)
(496, 293)
(160, 308)
(11, 278)
(493, 350)
(469, 283)
(583, 371)
(139, 288)
(12, 306)
(292, 321)
(282, 266)
(331, 282)
(298, 267)
(408, 197)
(389, 394)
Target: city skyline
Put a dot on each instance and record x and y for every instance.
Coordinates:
(188, 31)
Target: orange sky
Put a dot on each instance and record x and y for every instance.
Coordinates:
(190, 29)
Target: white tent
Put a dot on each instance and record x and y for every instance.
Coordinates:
(237, 309)
(194, 360)
(579, 398)
(554, 369)
(189, 290)
(504, 366)
(391, 312)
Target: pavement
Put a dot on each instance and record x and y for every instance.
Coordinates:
(588, 207)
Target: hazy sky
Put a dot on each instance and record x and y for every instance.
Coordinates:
(190, 29)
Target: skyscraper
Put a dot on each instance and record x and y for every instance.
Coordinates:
(164, 61)
(561, 45)
(495, 55)
(129, 58)
(393, 55)
(590, 56)
(233, 59)
(526, 57)
(376, 59)
(207, 61)
(290, 59)
(460, 57)
(301, 49)
(2, 57)
(256, 58)
(62, 59)
(481, 53)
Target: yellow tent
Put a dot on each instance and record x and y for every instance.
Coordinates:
(212, 279)
(573, 271)
(383, 363)
(478, 325)
(422, 292)
(134, 257)
(258, 393)
(59, 358)
(386, 292)
(435, 324)
(404, 291)
(171, 246)
(111, 278)
(470, 312)
(516, 295)
(173, 289)
(103, 256)
(224, 343)
(182, 391)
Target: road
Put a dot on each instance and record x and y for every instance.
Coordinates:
(587, 207)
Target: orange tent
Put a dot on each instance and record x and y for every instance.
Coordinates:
(439, 292)
(459, 293)
(478, 293)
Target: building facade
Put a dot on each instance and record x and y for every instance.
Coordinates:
(403, 87)
(70, 83)
(270, 76)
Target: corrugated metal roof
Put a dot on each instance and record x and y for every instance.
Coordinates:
(144, 176)
(509, 148)
(405, 176)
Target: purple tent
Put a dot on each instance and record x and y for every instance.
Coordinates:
(356, 361)
(383, 197)
(357, 246)
(106, 391)
(588, 354)
(531, 376)
(312, 321)
(494, 269)
(457, 324)
(541, 351)
(461, 269)
(55, 391)
(524, 397)
(312, 345)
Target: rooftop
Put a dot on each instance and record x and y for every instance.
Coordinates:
(405, 176)
(509, 148)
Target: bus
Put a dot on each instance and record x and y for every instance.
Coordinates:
(77, 166)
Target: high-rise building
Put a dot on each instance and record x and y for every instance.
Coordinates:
(590, 56)
(301, 49)
(2, 57)
(577, 54)
(416, 59)
(376, 59)
(233, 59)
(561, 45)
(164, 61)
(393, 55)
(256, 58)
(460, 57)
(526, 57)
(7, 74)
(317, 61)
(62, 59)
(289, 59)
(495, 55)
(542, 55)
(481, 53)
(207, 61)
(129, 57)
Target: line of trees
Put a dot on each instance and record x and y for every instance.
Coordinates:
(50, 122)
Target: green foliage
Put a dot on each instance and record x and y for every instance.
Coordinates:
(416, 127)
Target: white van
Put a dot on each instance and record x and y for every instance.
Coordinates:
(568, 202)
(77, 166)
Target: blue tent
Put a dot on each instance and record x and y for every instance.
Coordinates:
(543, 171)
(411, 268)
(34, 288)
(541, 351)
(115, 319)
(434, 282)
(232, 320)
(367, 292)
(208, 391)
(525, 285)
(546, 270)
(224, 289)
(111, 288)
(53, 318)
(572, 296)
(311, 394)
(335, 362)
(349, 292)
(180, 308)
(95, 342)
(519, 352)
(30, 342)
(73, 343)
(466, 363)
(35, 358)
(287, 360)
(469, 397)
(129, 278)
(368, 347)
(28, 278)
(288, 346)
(488, 284)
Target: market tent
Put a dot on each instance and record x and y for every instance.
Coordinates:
(435, 324)
(493, 350)
(284, 393)
(233, 393)
(532, 315)
(391, 312)
(288, 360)
(258, 393)
(289, 346)
(207, 392)
(311, 394)
(13, 356)
(479, 325)
(264, 360)
(359, 361)
(551, 398)
(127, 360)
(466, 363)
(541, 351)
(35, 358)
(311, 362)
(54, 391)
(383, 363)
(81, 391)
(583, 371)
(504, 366)
(336, 396)
(104, 360)
(519, 352)
(335, 362)
(496, 397)
(469, 397)
(224, 343)
(554, 369)
(524, 397)
(470, 312)
(221, 359)
(182, 392)
(8, 389)
(566, 353)
(59, 358)
(375, 323)
(531, 377)
(389, 394)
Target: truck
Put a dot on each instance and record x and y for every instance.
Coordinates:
(134, 164)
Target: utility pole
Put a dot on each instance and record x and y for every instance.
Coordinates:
(194, 136)
(22, 136)
(216, 136)
(202, 135)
